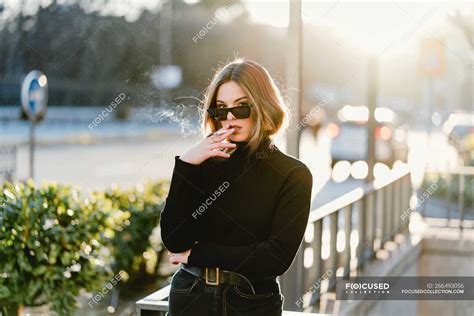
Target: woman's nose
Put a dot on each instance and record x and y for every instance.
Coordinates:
(230, 116)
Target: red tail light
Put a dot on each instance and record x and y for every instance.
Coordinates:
(383, 132)
(333, 130)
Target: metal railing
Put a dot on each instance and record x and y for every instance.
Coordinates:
(364, 219)
(374, 212)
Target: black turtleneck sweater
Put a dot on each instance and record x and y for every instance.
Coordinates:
(246, 214)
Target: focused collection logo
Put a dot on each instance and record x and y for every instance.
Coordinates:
(367, 288)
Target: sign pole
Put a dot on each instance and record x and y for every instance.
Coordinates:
(34, 98)
(32, 149)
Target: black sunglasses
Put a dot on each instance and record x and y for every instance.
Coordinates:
(220, 114)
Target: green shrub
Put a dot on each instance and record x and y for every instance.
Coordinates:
(449, 185)
(55, 241)
(50, 241)
(137, 216)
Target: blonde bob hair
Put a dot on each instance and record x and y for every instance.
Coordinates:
(269, 111)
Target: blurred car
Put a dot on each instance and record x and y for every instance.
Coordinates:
(459, 128)
(467, 148)
(350, 136)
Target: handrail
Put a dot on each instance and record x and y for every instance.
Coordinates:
(465, 170)
(378, 206)
(355, 195)
(155, 301)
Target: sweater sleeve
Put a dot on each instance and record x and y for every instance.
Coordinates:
(179, 221)
(273, 256)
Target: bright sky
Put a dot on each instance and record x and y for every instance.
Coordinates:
(369, 23)
(372, 23)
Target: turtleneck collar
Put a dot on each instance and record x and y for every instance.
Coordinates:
(241, 144)
(242, 152)
(243, 149)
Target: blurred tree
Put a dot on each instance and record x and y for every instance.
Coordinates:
(466, 24)
(89, 58)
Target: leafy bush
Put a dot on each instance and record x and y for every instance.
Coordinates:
(449, 185)
(49, 246)
(55, 241)
(137, 217)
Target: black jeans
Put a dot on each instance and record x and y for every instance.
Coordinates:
(190, 295)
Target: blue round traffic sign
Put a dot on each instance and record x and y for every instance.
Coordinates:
(34, 94)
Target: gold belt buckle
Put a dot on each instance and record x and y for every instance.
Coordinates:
(217, 277)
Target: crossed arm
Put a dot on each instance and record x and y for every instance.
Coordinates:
(179, 223)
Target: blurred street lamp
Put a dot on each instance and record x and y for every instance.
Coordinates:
(166, 75)
(293, 280)
(166, 32)
(372, 70)
(294, 74)
(432, 64)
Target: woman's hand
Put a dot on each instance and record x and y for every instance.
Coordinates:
(209, 147)
(181, 257)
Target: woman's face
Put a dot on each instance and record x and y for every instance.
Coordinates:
(229, 95)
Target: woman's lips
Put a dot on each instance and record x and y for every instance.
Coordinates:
(236, 129)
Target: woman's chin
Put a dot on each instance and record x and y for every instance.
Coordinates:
(237, 138)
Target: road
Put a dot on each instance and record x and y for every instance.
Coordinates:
(128, 162)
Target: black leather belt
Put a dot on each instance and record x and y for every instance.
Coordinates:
(216, 276)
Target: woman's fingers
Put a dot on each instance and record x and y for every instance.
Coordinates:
(222, 130)
(224, 127)
(176, 259)
(222, 145)
(182, 257)
(224, 135)
(173, 259)
(218, 153)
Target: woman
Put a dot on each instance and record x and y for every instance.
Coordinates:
(237, 207)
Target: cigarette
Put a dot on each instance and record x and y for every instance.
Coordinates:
(220, 132)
